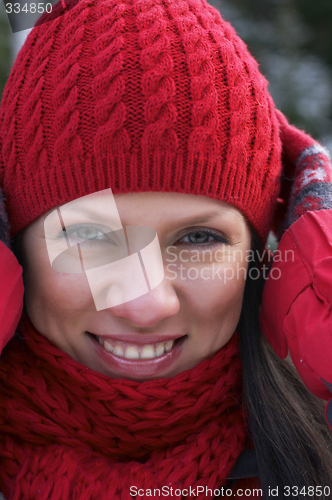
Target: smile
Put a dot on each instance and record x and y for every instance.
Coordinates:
(138, 357)
(127, 351)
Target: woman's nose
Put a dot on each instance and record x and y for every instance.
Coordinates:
(151, 308)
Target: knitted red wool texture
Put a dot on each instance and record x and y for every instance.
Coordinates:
(70, 433)
(139, 95)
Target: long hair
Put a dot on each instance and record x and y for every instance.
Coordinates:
(292, 440)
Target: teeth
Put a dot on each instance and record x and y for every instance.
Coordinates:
(147, 351)
(169, 345)
(131, 353)
(108, 346)
(118, 351)
(160, 349)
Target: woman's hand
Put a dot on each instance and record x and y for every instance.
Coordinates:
(297, 299)
(11, 282)
(308, 170)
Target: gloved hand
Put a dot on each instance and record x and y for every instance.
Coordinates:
(297, 298)
(11, 282)
(311, 187)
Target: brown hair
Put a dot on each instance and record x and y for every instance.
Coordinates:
(292, 440)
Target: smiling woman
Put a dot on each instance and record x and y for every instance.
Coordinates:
(62, 308)
(140, 159)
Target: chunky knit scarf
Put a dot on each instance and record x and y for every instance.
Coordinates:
(70, 433)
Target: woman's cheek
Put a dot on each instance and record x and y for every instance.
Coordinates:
(69, 291)
(50, 291)
(217, 284)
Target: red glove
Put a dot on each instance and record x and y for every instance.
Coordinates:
(296, 306)
(11, 282)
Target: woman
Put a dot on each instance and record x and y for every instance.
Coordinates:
(121, 122)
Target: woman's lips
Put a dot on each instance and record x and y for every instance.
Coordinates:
(142, 358)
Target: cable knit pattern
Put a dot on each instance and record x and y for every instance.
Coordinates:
(138, 95)
(159, 140)
(11, 168)
(202, 140)
(71, 433)
(112, 141)
(68, 149)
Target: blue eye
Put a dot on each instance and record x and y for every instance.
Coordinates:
(88, 234)
(203, 238)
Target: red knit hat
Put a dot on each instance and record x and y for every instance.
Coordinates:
(146, 95)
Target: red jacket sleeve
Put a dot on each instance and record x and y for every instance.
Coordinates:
(296, 306)
(11, 294)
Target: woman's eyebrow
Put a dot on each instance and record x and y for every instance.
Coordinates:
(201, 219)
(90, 213)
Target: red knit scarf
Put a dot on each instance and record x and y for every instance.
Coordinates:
(70, 433)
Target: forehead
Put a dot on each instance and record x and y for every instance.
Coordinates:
(144, 208)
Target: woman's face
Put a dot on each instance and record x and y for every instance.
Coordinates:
(185, 319)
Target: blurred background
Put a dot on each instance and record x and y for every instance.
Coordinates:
(292, 41)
